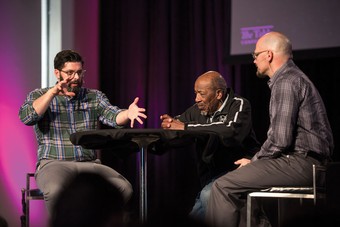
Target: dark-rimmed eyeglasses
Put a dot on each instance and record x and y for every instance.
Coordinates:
(255, 54)
(72, 73)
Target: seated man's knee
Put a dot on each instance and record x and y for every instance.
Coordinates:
(124, 187)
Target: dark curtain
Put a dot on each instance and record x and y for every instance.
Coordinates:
(155, 49)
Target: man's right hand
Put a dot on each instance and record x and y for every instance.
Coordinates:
(61, 88)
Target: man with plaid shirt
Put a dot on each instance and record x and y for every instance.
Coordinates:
(57, 112)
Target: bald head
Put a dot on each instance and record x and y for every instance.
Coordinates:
(215, 80)
(271, 52)
(276, 42)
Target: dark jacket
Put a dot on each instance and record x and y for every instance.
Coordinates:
(234, 128)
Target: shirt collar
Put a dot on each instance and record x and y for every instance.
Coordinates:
(275, 77)
(221, 107)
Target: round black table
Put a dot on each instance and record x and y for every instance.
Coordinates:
(140, 140)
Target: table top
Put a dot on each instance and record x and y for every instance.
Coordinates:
(113, 138)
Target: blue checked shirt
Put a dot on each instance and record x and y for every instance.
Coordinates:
(298, 118)
(65, 116)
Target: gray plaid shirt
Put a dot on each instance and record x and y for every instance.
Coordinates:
(298, 118)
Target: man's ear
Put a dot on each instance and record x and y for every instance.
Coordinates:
(270, 56)
(57, 74)
(219, 93)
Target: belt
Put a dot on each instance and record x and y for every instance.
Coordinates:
(312, 154)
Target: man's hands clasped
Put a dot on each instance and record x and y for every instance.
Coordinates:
(171, 123)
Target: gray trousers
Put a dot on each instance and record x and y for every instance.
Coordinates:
(52, 175)
(227, 203)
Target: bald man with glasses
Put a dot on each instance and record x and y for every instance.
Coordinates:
(299, 136)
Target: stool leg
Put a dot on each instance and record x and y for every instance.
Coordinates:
(249, 210)
(278, 212)
(23, 205)
(27, 212)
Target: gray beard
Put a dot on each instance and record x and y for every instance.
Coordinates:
(204, 113)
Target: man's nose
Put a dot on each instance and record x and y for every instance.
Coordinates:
(198, 98)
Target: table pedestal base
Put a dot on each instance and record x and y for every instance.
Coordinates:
(143, 142)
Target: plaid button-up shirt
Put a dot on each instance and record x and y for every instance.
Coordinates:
(298, 118)
(65, 116)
